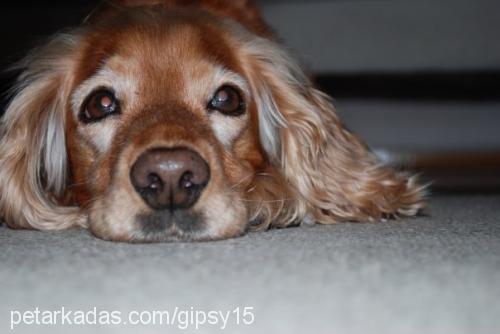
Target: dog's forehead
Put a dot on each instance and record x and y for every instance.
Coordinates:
(167, 56)
(166, 44)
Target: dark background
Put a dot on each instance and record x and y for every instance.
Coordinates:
(419, 80)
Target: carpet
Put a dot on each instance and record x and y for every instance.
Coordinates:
(439, 273)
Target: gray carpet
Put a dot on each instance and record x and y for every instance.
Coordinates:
(434, 274)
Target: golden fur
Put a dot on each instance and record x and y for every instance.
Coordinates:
(287, 160)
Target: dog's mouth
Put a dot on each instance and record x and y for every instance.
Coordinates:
(168, 225)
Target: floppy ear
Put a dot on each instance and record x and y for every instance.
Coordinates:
(335, 174)
(33, 163)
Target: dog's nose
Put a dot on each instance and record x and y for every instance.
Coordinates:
(170, 178)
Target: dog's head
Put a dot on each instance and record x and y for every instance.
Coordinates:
(167, 121)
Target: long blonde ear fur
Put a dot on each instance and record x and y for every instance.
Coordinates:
(33, 161)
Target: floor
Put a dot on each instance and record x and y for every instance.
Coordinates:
(439, 273)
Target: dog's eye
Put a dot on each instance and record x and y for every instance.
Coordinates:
(99, 105)
(227, 100)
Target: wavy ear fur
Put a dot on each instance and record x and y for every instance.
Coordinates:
(334, 173)
(33, 162)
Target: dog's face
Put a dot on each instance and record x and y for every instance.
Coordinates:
(177, 123)
(162, 131)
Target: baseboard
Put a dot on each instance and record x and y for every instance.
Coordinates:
(433, 85)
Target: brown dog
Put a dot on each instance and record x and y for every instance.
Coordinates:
(182, 120)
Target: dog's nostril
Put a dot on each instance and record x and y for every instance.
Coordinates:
(186, 180)
(155, 183)
(170, 178)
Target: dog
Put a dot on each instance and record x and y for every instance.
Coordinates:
(170, 120)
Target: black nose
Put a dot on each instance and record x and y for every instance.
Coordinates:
(170, 178)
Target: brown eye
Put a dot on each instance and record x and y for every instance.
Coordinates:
(99, 105)
(227, 100)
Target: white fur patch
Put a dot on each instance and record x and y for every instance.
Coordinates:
(227, 128)
(124, 86)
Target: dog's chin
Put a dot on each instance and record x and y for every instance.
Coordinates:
(165, 226)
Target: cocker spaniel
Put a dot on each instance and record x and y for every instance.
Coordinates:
(182, 120)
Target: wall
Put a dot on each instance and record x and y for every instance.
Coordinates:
(390, 35)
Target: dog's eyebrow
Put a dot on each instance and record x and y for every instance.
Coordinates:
(104, 77)
(224, 75)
